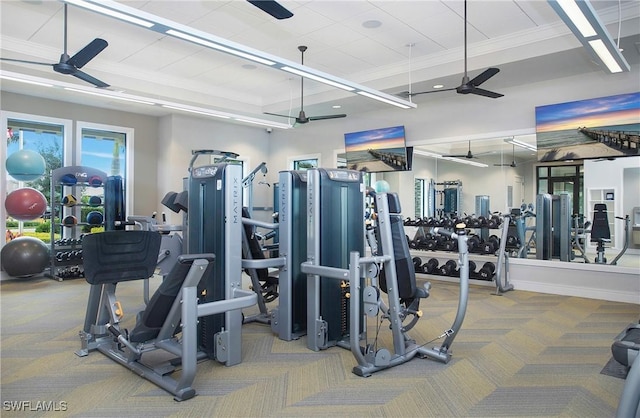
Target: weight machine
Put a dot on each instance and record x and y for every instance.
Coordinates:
(196, 313)
(359, 282)
(445, 201)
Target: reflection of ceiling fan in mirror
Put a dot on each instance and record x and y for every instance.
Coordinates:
(302, 117)
(513, 159)
(469, 154)
(71, 65)
(467, 86)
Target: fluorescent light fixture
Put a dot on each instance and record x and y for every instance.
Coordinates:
(110, 96)
(601, 50)
(316, 78)
(382, 99)
(521, 144)
(583, 21)
(209, 44)
(109, 12)
(199, 112)
(24, 80)
(426, 153)
(187, 33)
(255, 121)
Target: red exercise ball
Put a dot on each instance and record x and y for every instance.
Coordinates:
(25, 204)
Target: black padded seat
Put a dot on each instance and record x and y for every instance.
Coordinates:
(150, 320)
(600, 231)
(117, 256)
(405, 272)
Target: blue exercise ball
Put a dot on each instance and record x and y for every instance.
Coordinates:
(381, 186)
(95, 218)
(26, 165)
(24, 256)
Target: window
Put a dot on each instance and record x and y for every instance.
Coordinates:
(304, 162)
(107, 148)
(563, 179)
(46, 136)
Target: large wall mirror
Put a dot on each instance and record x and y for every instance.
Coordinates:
(506, 169)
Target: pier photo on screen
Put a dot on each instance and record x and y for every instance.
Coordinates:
(605, 127)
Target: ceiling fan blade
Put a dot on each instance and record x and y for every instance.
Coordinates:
(89, 79)
(273, 8)
(327, 117)
(430, 91)
(25, 61)
(484, 76)
(485, 93)
(282, 116)
(86, 54)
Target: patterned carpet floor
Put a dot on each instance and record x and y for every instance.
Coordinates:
(522, 354)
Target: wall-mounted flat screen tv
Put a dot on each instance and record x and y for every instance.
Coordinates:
(605, 127)
(377, 150)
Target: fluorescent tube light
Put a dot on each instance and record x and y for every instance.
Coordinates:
(200, 112)
(382, 99)
(426, 153)
(24, 80)
(111, 96)
(187, 33)
(581, 18)
(574, 13)
(316, 78)
(112, 13)
(213, 45)
(522, 144)
(605, 55)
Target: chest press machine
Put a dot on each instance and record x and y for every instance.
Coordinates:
(342, 295)
(195, 313)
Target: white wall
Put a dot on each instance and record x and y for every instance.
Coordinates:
(179, 135)
(145, 144)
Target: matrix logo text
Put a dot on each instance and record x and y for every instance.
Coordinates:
(33, 406)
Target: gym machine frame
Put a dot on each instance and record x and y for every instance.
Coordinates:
(365, 300)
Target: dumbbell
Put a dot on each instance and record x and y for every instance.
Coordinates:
(494, 221)
(473, 243)
(417, 264)
(486, 271)
(491, 245)
(431, 266)
(472, 269)
(434, 242)
(451, 244)
(450, 268)
(513, 242)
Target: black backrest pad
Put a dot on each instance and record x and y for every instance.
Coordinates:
(117, 256)
(159, 305)
(405, 272)
(600, 226)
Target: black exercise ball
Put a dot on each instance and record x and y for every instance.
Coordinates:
(24, 256)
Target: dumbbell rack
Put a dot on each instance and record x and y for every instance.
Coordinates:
(479, 275)
(66, 252)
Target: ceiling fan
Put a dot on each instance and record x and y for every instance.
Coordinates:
(513, 159)
(469, 154)
(467, 86)
(302, 118)
(71, 65)
(273, 8)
